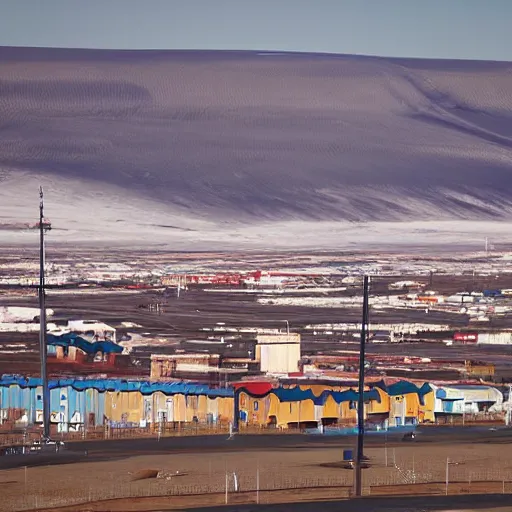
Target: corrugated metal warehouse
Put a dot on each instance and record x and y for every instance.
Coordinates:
(122, 403)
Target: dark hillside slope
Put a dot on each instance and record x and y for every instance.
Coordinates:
(255, 137)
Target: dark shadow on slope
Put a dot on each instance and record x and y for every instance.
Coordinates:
(468, 129)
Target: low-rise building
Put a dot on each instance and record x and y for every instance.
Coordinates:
(479, 369)
(92, 330)
(165, 367)
(278, 353)
(458, 399)
(76, 403)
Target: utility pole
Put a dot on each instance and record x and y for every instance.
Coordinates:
(360, 398)
(43, 227)
(508, 417)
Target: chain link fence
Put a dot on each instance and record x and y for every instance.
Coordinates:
(17, 438)
(243, 478)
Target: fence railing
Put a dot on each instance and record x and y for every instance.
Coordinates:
(10, 438)
(262, 484)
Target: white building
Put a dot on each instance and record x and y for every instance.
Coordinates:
(495, 338)
(92, 330)
(458, 399)
(278, 353)
(461, 298)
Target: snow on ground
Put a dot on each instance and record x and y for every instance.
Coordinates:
(24, 327)
(211, 150)
(90, 291)
(277, 291)
(13, 314)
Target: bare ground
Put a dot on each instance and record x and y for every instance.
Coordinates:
(301, 473)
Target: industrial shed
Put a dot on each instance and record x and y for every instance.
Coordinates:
(115, 402)
(297, 405)
(278, 353)
(71, 407)
(76, 403)
(459, 399)
(408, 403)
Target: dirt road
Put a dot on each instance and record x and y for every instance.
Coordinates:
(284, 468)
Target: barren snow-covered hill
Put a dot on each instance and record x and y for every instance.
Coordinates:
(193, 149)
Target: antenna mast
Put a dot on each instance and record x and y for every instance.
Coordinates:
(43, 227)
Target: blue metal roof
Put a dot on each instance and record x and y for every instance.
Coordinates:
(102, 385)
(441, 393)
(190, 388)
(404, 387)
(73, 340)
(297, 394)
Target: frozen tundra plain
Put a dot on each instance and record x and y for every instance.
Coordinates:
(213, 149)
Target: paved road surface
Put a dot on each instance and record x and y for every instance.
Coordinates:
(118, 449)
(472, 503)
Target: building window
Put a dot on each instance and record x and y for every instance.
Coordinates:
(256, 405)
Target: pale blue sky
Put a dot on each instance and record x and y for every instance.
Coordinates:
(468, 29)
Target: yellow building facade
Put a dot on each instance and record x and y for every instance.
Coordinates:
(131, 407)
(315, 405)
(414, 406)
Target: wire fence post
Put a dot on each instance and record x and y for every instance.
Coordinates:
(258, 484)
(447, 475)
